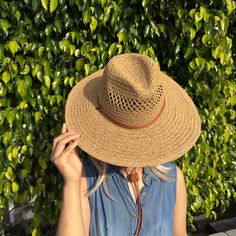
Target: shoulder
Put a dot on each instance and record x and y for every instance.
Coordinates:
(179, 178)
(179, 172)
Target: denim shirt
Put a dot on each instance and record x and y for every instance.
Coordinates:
(119, 217)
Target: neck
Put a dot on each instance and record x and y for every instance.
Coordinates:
(130, 170)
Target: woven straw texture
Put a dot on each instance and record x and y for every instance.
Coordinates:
(132, 91)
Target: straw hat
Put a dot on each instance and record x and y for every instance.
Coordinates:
(132, 114)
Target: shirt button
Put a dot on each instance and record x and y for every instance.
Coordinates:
(146, 178)
(133, 214)
(143, 194)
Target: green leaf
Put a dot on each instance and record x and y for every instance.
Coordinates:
(231, 5)
(47, 81)
(224, 24)
(103, 2)
(35, 232)
(86, 16)
(6, 77)
(87, 69)
(7, 136)
(53, 5)
(79, 64)
(15, 152)
(37, 116)
(46, 68)
(45, 4)
(93, 24)
(72, 49)
(112, 49)
(198, 16)
(22, 88)
(145, 2)
(5, 25)
(14, 47)
(26, 70)
(15, 187)
(192, 34)
(43, 164)
(120, 36)
(9, 173)
(10, 117)
(192, 12)
(7, 187)
(77, 52)
(18, 15)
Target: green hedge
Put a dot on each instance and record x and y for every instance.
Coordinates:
(47, 46)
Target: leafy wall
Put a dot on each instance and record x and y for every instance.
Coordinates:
(47, 46)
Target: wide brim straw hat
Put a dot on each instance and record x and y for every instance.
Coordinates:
(132, 114)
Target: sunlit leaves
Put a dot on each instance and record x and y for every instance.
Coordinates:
(5, 25)
(13, 46)
(22, 88)
(45, 4)
(93, 24)
(53, 5)
(15, 187)
(6, 76)
(49, 45)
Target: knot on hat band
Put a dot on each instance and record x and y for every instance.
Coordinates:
(100, 108)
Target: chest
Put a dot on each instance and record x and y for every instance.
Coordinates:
(157, 204)
(132, 191)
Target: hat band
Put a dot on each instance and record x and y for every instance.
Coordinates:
(100, 108)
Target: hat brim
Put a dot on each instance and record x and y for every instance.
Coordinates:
(171, 136)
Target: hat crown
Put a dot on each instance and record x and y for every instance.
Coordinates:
(131, 91)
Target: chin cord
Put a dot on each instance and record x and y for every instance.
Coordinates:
(134, 178)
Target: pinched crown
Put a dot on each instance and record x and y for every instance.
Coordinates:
(131, 92)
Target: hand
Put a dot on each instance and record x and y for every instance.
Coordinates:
(65, 158)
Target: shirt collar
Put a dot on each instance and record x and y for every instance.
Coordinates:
(148, 174)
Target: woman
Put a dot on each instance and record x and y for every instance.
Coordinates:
(132, 120)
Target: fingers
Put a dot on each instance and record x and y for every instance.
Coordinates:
(60, 137)
(58, 159)
(61, 143)
(63, 128)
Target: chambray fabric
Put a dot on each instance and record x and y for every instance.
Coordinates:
(119, 217)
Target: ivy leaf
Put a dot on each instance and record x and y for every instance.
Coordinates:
(93, 24)
(18, 15)
(6, 77)
(145, 2)
(112, 49)
(120, 36)
(10, 117)
(45, 4)
(192, 34)
(53, 5)
(14, 47)
(86, 16)
(26, 70)
(5, 25)
(87, 69)
(72, 49)
(103, 2)
(15, 187)
(47, 81)
(37, 116)
(22, 88)
(79, 64)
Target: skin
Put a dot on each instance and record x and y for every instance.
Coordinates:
(75, 212)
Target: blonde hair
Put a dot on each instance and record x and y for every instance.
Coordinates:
(159, 170)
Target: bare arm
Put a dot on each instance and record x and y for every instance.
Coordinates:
(180, 206)
(75, 212)
(71, 219)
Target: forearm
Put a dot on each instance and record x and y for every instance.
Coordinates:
(71, 217)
